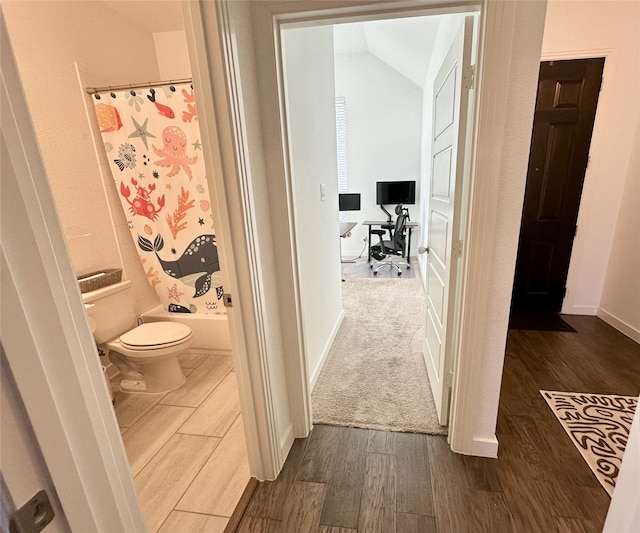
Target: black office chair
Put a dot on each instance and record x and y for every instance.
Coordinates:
(395, 246)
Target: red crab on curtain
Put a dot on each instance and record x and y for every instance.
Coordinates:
(141, 203)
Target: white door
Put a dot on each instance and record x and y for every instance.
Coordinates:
(450, 103)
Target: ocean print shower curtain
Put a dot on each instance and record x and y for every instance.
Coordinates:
(152, 141)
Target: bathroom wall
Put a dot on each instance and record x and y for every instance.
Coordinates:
(172, 55)
(61, 47)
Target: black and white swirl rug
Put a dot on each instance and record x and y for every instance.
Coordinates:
(598, 425)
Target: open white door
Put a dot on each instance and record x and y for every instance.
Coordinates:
(450, 103)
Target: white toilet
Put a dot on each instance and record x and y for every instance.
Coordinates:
(145, 354)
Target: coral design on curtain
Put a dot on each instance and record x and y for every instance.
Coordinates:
(152, 141)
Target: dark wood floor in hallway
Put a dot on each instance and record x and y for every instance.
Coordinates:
(346, 480)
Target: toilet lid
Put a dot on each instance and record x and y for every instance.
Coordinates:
(155, 334)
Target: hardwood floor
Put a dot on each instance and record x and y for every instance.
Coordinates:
(346, 480)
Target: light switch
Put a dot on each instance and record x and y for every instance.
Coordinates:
(323, 192)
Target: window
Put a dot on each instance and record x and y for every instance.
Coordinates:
(341, 147)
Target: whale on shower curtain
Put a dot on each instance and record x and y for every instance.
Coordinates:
(152, 141)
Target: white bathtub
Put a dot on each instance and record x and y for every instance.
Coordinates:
(210, 332)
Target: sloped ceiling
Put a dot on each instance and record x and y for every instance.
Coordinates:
(404, 44)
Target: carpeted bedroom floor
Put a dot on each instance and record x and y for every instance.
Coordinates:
(375, 376)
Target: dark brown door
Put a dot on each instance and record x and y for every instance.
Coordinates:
(564, 114)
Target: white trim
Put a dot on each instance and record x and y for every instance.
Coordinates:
(485, 447)
(46, 336)
(287, 440)
(586, 310)
(619, 324)
(315, 374)
(227, 176)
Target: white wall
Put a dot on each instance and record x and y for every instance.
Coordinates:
(620, 303)
(309, 74)
(48, 39)
(595, 29)
(383, 110)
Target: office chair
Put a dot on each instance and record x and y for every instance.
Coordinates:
(396, 245)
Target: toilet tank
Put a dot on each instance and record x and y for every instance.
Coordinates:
(114, 312)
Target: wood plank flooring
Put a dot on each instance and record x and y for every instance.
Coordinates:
(346, 480)
(186, 448)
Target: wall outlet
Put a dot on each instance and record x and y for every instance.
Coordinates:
(323, 192)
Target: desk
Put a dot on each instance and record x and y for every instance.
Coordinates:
(410, 226)
(345, 228)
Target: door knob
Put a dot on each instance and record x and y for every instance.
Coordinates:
(423, 249)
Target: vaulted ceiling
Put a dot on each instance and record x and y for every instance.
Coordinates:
(405, 44)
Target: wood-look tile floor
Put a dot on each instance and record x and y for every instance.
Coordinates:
(186, 448)
(346, 480)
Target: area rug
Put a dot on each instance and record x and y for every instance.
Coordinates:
(375, 376)
(598, 424)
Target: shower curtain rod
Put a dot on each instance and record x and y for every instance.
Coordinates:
(94, 90)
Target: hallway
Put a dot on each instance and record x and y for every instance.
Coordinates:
(343, 480)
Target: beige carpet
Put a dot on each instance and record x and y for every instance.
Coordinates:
(598, 425)
(375, 376)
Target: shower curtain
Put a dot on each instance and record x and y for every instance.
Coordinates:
(152, 141)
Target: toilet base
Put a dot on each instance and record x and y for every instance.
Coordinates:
(162, 376)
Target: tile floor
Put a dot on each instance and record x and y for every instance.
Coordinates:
(186, 448)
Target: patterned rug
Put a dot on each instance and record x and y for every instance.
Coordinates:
(598, 424)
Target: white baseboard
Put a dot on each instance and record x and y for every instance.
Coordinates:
(620, 325)
(485, 447)
(285, 445)
(315, 373)
(587, 310)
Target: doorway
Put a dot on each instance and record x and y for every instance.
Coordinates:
(156, 432)
(565, 111)
(309, 95)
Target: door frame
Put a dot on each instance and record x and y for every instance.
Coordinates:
(482, 337)
(580, 248)
(567, 305)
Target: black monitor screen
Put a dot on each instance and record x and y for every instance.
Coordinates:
(395, 192)
(349, 202)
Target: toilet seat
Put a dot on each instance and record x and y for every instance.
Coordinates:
(155, 336)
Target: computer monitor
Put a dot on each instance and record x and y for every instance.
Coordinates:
(395, 192)
(349, 202)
